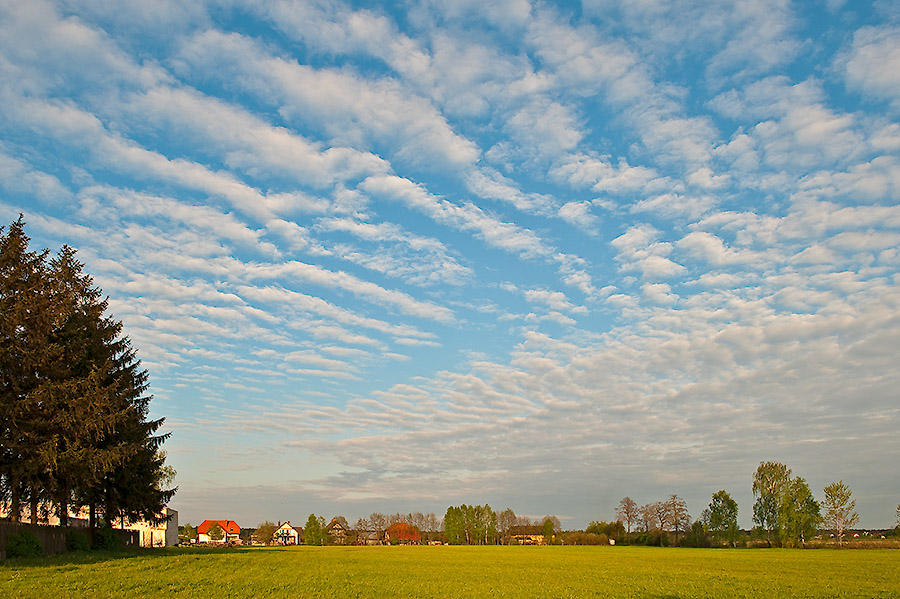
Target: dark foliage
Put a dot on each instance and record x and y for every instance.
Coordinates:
(24, 544)
(74, 427)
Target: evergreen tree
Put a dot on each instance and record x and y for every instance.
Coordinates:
(26, 313)
(78, 387)
(74, 410)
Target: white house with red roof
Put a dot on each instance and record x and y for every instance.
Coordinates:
(230, 528)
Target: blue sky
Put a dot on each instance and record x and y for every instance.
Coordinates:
(536, 255)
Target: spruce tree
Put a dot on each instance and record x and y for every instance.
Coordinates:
(25, 316)
(78, 387)
(74, 408)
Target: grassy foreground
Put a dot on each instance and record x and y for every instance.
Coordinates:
(458, 572)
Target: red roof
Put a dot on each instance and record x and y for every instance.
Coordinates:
(402, 532)
(229, 526)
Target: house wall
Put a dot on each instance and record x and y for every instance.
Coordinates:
(171, 527)
(288, 536)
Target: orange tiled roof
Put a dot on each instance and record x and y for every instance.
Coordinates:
(402, 532)
(229, 526)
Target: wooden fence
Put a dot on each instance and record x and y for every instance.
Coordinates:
(53, 538)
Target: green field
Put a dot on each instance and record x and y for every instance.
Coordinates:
(459, 572)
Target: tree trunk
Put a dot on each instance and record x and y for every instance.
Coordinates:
(15, 505)
(92, 521)
(64, 509)
(34, 511)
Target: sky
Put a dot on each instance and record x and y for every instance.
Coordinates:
(397, 257)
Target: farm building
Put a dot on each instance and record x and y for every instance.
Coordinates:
(526, 535)
(369, 537)
(403, 533)
(230, 528)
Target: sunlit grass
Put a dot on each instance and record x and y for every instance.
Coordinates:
(458, 572)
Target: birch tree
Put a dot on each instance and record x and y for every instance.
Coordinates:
(840, 509)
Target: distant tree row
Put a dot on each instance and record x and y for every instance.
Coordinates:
(74, 426)
(785, 513)
(470, 525)
(461, 525)
(376, 521)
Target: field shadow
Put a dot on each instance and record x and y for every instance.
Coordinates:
(76, 558)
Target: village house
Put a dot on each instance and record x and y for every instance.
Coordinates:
(163, 534)
(369, 537)
(402, 533)
(230, 528)
(337, 530)
(526, 535)
(287, 534)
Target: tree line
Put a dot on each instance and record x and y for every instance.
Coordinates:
(785, 514)
(75, 430)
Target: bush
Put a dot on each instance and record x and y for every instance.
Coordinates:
(77, 541)
(653, 538)
(106, 538)
(698, 536)
(583, 538)
(24, 544)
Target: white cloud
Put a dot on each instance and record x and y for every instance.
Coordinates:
(580, 215)
(247, 142)
(352, 109)
(69, 124)
(16, 176)
(639, 250)
(871, 65)
(467, 217)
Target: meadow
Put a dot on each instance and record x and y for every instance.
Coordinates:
(457, 572)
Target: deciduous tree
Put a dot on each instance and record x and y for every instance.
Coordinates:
(628, 512)
(769, 483)
(215, 532)
(547, 531)
(187, 532)
(840, 509)
(722, 517)
(799, 514)
(677, 516)
(505, 521)
(313, 533)
(266, 531)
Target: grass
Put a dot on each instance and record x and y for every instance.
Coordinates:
(458, 572)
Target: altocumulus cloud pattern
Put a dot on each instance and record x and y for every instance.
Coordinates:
(532, 254)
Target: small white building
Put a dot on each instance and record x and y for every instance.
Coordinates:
(286, 535)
